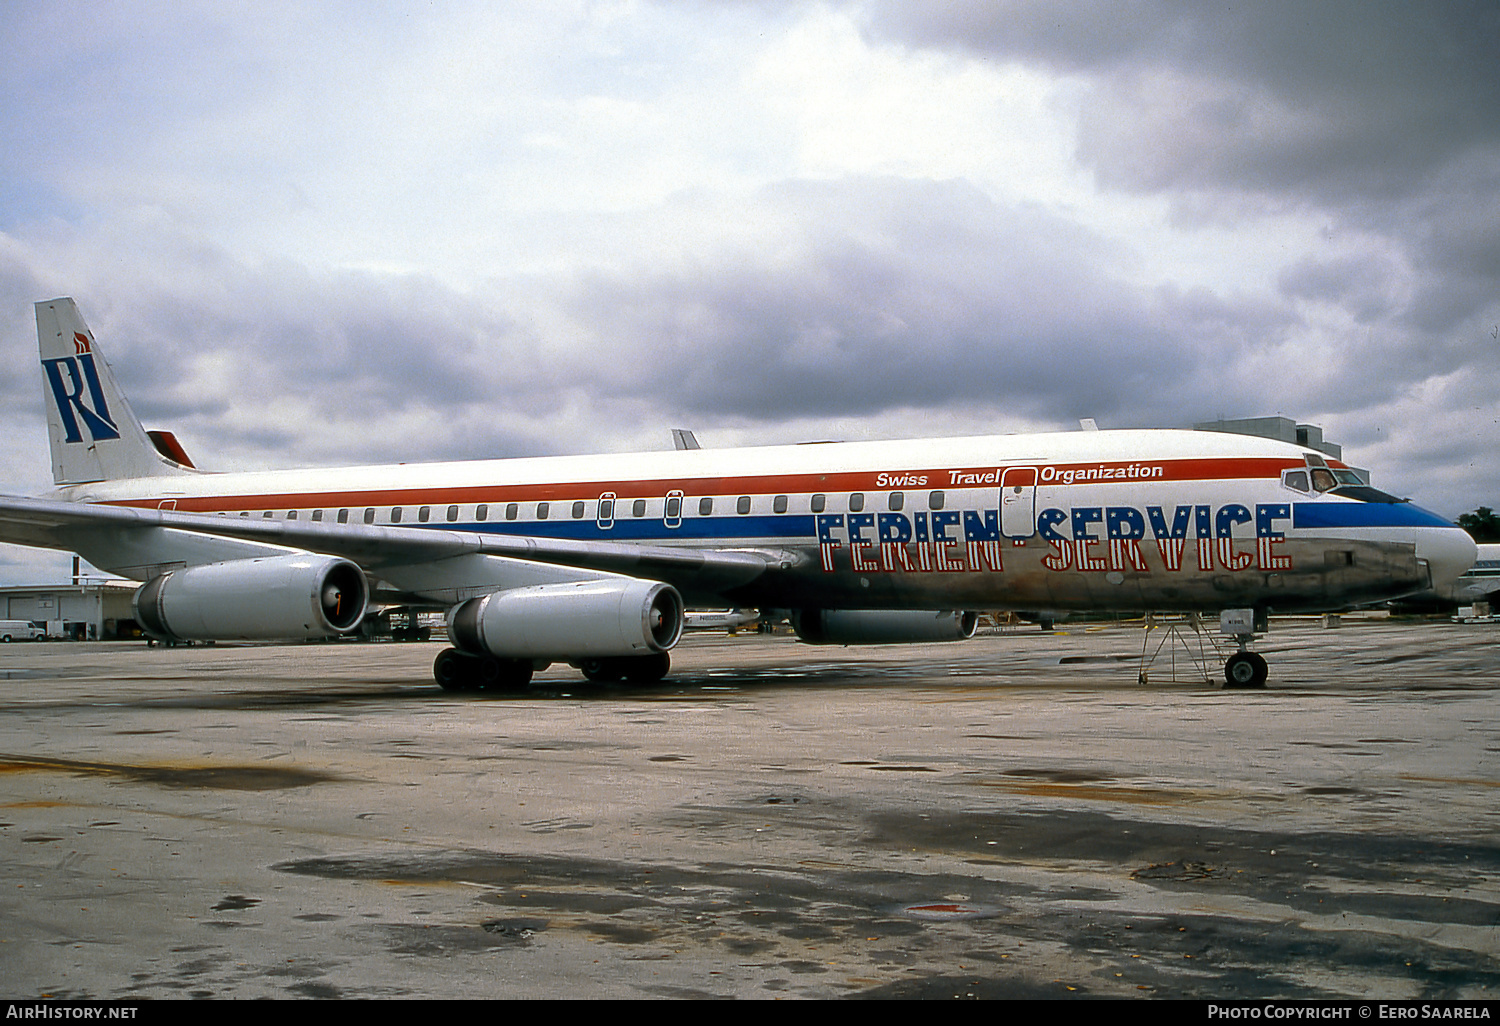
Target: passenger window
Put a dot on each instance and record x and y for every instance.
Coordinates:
(706, 506)
(343, 516)
(267, 515)
(606, 509)
(578, 510)
(819, 502)
(541, 510)
(897, 501)
(482, 511)
(395, 514)
(674, 507)
(743, 504)
(424, 513)
(512, 511)
(244, 513)
(935, 500)
(317, 516)
(452, 514)
(291, 514)
(856, 502)
(370, 516)
(638, 508)
(778, 504)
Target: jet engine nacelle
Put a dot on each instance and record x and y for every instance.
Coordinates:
(584, 619)
(276, 598)
(882, 626)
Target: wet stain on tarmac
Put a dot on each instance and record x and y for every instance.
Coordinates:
(517, 929)
(1059, 776)
(236, 902)
(578, 901)
(1185, 870)
(1009, 987)
(620, 933)
(1084, 792)
(437, 940)
(223, 778)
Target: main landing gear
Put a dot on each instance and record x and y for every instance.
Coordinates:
(459, 671)
(1243, 669)
(647, 669)
(1192, 639)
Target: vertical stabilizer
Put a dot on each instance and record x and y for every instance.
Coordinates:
(93, 432)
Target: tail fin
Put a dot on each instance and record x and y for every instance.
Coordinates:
(94, 434)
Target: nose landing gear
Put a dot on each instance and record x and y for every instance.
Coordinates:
(1243, 669)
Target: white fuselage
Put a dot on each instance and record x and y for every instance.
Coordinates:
(1080, 520)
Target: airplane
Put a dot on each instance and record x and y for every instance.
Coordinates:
(1480, 583)
(594, 560)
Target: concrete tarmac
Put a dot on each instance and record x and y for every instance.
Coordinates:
(1016, 816)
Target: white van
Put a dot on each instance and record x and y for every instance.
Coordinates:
(20, 630)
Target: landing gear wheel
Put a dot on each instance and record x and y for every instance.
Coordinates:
(1245, 670)
(455, 671)
(601, 671)
(458, 671)
(647, 669)
(504, 674)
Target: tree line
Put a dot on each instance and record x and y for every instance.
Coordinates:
(1483, 524)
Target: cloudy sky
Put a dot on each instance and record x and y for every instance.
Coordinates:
(327, 233)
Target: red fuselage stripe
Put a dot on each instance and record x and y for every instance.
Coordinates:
(1049, 474)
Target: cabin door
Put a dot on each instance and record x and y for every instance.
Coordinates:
(1018, 502)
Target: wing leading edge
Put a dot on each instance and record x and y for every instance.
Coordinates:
(419, 562)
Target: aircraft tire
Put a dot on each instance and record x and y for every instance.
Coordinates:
(602, 671)
(504, 674)
(454, 671)
(647, 669)
(1245, 670)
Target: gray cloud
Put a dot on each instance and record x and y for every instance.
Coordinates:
(1337, 98)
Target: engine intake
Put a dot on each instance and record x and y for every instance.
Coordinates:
(882, 626)
(276, 598)
(613, 617)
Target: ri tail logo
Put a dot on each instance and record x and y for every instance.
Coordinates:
(69, 377)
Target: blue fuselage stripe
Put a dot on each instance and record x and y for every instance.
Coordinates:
(1323, 515)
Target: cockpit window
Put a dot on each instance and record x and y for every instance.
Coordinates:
(1341, 481)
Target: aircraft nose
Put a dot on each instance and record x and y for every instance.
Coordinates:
(1448, 552)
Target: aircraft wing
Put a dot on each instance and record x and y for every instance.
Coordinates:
(423, 561)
